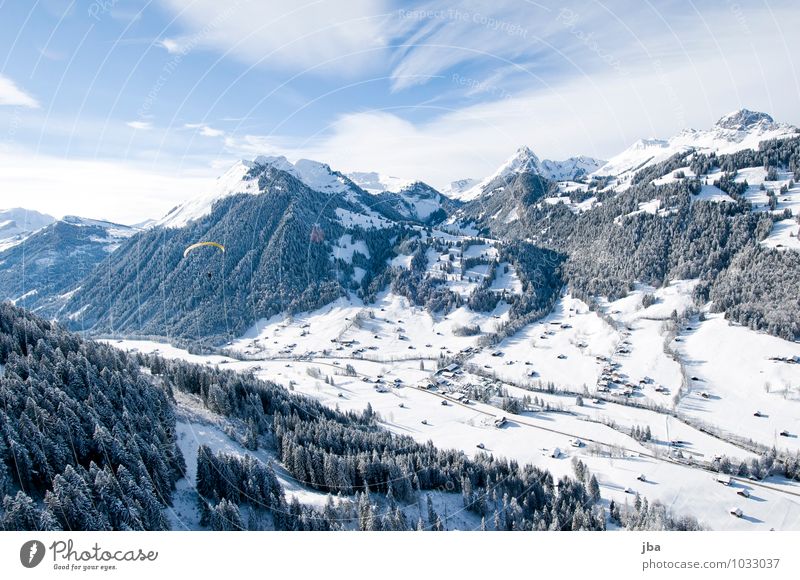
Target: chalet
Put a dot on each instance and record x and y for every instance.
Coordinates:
(743, 492)
(555, 453)
(451, 368)
(576, 443)
(499, 422)
(736, 512)
(642, 477)
(723, 478)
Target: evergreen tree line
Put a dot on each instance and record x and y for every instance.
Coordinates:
(87, 441)
(348, 454)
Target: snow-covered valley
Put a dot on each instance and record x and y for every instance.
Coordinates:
(581, 383)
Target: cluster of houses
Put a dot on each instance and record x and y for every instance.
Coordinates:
(612, 378)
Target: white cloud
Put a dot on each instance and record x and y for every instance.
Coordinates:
(140, 125)
(119, 191)
(592, 114)
(205, 130)
(172, 45)
(209, 132)
(11, 94)
(286, 34)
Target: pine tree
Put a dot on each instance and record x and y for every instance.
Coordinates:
(225, 516)
(594, 489)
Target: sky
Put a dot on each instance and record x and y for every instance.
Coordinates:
(122, 109)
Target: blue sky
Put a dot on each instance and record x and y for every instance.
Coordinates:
(121, 109)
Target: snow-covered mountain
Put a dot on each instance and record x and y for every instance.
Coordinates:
(459, 186)
(375, 183)
(40, 271)
(570, 169)
(243, 178)
(525, 161)
(418, 202)
(599, 314)
(412, 200)
(742, 129)
(18, 223)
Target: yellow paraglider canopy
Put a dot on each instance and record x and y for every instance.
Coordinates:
(200, 245)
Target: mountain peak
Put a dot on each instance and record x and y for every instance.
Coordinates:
(738, 130)
(744, 119)
(524, 159)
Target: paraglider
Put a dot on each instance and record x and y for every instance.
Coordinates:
(200, 245)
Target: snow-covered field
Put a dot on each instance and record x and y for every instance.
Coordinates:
(348, 328)
(370, 362)
(560, 348)
(735, 370)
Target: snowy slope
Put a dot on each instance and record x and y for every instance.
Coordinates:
(525, 161)
(617, 459)
(18, 223)
(317, 176)
(742, 129)
(374, 182)
(456, 188)
(232, 182)
(42, 270)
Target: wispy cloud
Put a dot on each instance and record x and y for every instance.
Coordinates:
(205, 130)
(289, 34)
(11, 94)
(173, 45)
(140, 125)
(597, 114)
(121, 191)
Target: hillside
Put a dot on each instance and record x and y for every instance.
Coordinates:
(41, 270)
